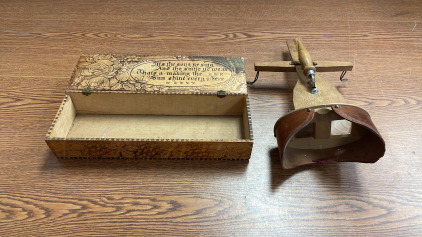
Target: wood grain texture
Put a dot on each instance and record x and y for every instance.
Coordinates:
(40, 41)
(303, 98)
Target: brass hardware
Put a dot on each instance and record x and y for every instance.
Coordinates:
(221, 94)
(87, 91)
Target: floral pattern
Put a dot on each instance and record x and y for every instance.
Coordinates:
(113, 73)
(150, 149)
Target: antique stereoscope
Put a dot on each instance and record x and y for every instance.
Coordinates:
(322, 127)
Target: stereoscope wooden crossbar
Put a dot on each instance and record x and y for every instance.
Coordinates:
(310, 133)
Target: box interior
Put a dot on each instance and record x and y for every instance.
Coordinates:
(153, 116)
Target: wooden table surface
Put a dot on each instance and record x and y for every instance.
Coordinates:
(41, 41)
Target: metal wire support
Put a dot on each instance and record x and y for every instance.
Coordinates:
(342, 76)
(256, 79)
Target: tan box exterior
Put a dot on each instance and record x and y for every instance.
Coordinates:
(154, 107)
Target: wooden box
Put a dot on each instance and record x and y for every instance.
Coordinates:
(154, 107)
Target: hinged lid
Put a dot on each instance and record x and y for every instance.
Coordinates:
(160, 74)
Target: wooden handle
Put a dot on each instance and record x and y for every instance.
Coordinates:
(305, 58)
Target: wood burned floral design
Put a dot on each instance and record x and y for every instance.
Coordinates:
(158, 74)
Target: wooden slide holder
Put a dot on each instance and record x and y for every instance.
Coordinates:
(323, 127)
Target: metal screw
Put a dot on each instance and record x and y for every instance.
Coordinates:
(337, 106)
(314, 91)
(309, 110)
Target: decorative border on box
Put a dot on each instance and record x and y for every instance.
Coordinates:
(148, 140)
(159, 93)
(248, 108)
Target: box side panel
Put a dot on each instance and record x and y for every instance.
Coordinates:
(157, 127)
(63, 120)
(128, 149)
(157, 104)
(57, 146)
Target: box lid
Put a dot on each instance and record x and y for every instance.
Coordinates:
(161, 74)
